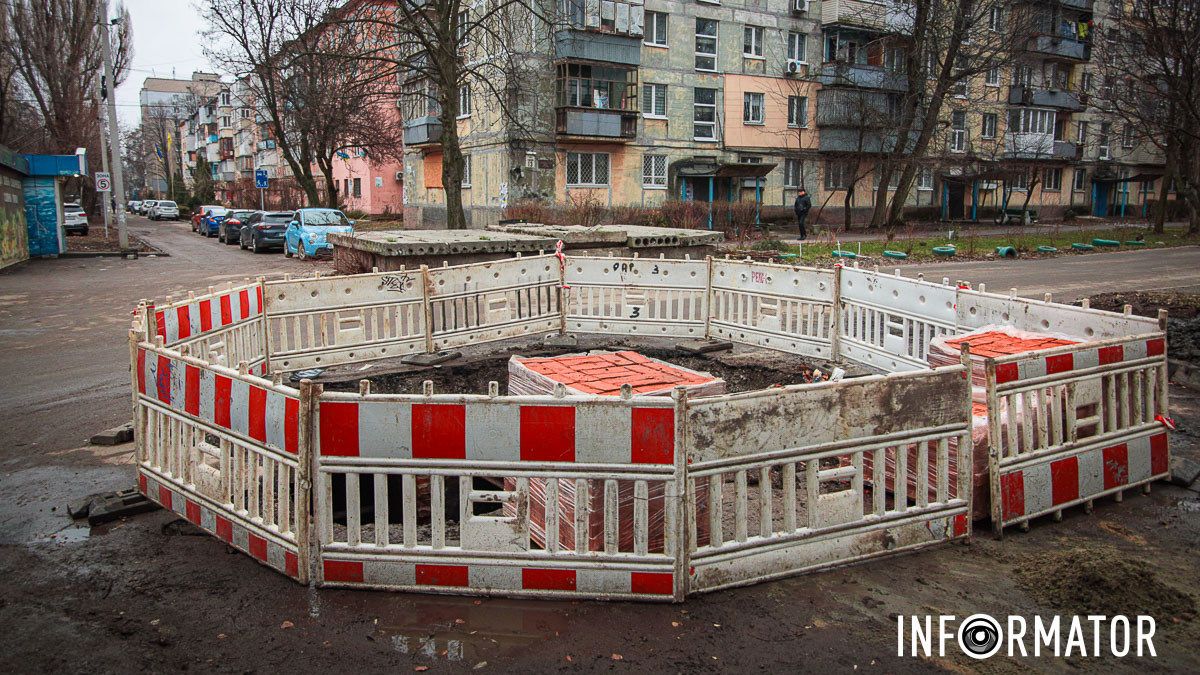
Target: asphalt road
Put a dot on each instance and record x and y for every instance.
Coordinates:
(144, 594)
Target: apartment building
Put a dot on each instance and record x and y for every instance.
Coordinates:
(163, 104)
(752, 99)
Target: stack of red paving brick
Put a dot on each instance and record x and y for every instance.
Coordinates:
(990, 342)
(603, 373)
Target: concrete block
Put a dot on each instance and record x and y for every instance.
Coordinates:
(113, 505)
(429, 358)
(704, 346)
(567, 341)
(114, 436)
(1184, 471)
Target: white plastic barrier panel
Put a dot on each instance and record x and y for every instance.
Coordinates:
(220, 327)
(774, 306)
(226, 452)
(888, 321)
(483, 302)
(976, 310)
(326, 321)
(1071, 424)
(569, 497)
(779, 475)
(637, 296)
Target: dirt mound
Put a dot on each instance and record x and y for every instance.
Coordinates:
(1091, 580)
(1183, 317)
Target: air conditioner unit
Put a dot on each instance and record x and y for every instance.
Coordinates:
(795, 67)
(399, 175)
(800, 5)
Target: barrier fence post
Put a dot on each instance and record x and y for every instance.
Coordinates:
(684, 513)
(994, 421)
(966, 446)
(708, 298)
(262, 317)
(139, 436)
(305, 461)
(835, 331)
(427, 306)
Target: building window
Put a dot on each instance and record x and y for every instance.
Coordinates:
(1023, 76)
(464, 101)
(925, 178)
(357, 187)
(1085, 82)
(752, 108)
(656, 29)
(992, 79)
(838, 174)
(1053, 181)
(958, 131)
(225, 121)
(654, 100)
(1081, 131)
(587, 169)
(464, 20)
(1105, 130)
(752, 42)
(798, 111)
(995, 20)
(1127, 136)
(988, 129)
(1080, 180)
(1031, 121)
(1021, 181)
(793, 173)
(585, 85)
(704, 114)
(654, 171)
(245, 113)
(797, 47)
(706, 44)
(225, 98)
(466, 176)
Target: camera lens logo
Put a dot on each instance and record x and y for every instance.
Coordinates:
(979, 636)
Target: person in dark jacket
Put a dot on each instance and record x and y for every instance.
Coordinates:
(802, 206)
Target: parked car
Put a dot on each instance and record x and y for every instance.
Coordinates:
(199, 213)
(133, 205)
(265, 230)
(74, 219)
(230, 231)
(306, 231)
(147, 204)
(164, 209)
(210, 223)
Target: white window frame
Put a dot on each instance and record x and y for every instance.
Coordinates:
(793, 177)
(656, 179)
(695, 108)
(983, 125)
(466, 177)
(1021, 181)
(649, 96)
(654, 37)
(1104, 141)
(1081, 132)
(925, 178)
(753, 35)
(797, 47)
(958, 135)
(591, 157)
(751, 100)
(1056, 186)
(464, 101)
(1079, 180)
(995, 19)
(797, 103)
(716, 45)
(1127, 137)
(992, 77)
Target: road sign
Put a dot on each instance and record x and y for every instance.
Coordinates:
(103, 182)
(260, 178)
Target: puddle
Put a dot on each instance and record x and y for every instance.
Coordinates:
(70, 535)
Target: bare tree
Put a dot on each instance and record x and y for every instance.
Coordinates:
(316, 79)
(1150, 81)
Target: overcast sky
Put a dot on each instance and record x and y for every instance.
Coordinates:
(165, 37)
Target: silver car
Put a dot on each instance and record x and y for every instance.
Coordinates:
(164, 209)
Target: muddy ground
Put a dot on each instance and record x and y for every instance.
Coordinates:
(1183, 316)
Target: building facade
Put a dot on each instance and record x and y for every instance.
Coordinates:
(164, 104)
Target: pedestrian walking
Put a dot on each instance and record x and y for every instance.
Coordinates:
(802, 206)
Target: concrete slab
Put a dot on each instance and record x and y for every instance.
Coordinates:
(630, 236)
(704, 346)
(430, 358)
(442, 242)
(114, 436)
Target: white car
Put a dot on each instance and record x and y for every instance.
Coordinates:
(75, 219)
(144, 209)
(164, 209)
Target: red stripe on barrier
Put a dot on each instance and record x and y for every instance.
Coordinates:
(1007, 372)
(1156, 347)
(257, 546)
(343, 570)
(652, 583)
(206, 316)
(547, 580)
(442, 575)
(960, 525)
(339, 429)
(1116, 466)
(160, 323)
(244, 302)
(222, 397)
(226, 310)
(1064, 480)
(141, 371)
(653, 436)
(1159, 459)
(1060, 363)
(193, 512)
(191, 397)
(183, 317)
(291, 425)
(1012, 495)
(439, 431)
(257, 415)
(224, 529)
(291, 564)
(162, 379)
(142, 486)
(1113, 354)
(547, 433)
(258, 293)
(164, 497)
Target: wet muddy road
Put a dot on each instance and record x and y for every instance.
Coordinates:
(151, 593)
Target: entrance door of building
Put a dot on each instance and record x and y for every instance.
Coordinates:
(956, 196)
(1099, 199)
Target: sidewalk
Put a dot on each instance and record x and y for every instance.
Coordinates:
(788, 235)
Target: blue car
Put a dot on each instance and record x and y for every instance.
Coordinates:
(305, 235)
(210, 222)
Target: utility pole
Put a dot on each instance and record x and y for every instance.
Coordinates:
(104, 201)
(114, 136)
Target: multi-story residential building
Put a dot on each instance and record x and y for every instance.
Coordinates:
(752, 99)
(164, 103)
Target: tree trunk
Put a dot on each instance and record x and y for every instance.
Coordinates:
(880, 207)
(1160, 213)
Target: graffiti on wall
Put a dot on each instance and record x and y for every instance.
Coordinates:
(14, 239)
(41, 217)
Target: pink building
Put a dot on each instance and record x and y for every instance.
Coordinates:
(375, 187)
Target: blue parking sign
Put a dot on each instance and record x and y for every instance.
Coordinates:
(260, 178)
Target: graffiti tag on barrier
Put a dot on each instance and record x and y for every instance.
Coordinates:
(396, 282)
(162, 381)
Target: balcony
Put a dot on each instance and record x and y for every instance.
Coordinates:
(597, 123)
(1045, 98)
(1039, 146)
(887, 16)
(860, 76)
(423, 131)
(1061, 47)
(617, 17)
(1082, 5)
(573, 44)
(853, 108)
